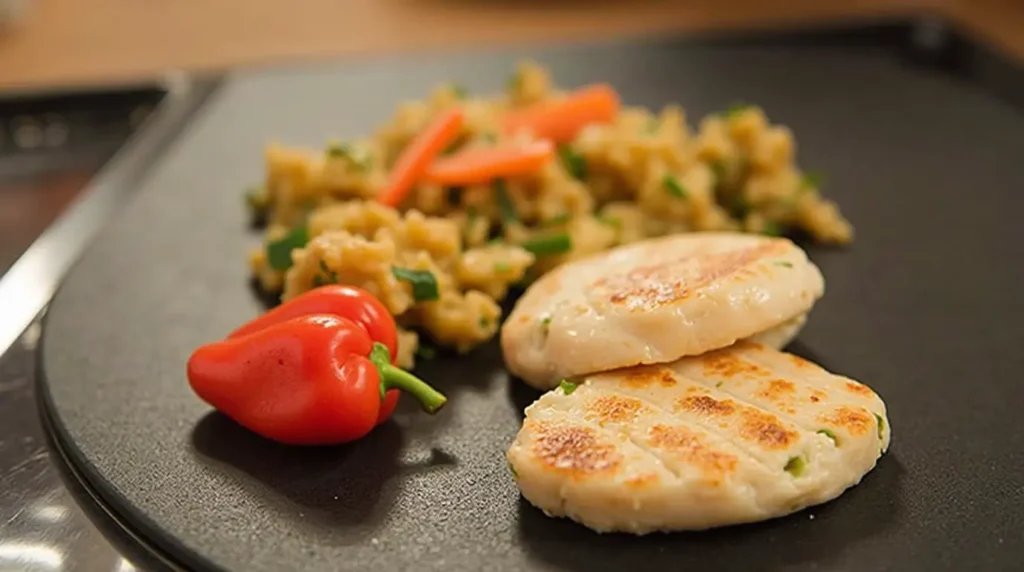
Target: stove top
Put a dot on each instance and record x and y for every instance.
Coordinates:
(67, 161)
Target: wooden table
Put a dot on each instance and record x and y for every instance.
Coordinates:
(65, 42)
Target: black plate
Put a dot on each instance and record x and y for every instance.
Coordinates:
(924, 307)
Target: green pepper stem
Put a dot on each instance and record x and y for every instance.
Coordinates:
(392, 377)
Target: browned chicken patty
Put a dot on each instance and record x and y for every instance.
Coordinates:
(657, 301)
(741, 434)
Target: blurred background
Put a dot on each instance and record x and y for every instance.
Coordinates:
(79, 77)
(63, 62)
(49, 42)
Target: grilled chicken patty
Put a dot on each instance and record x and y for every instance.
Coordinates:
(740, 434)
(656, 301)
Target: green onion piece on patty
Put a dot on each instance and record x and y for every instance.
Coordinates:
(505, 204)
(881, 426)
(512, 470)
(828, 433)
(610, 220)
(279, 252)
(574, 163)
(501, 267)
(460, 91)
(795, 466)
(545, 321)
(674, 187)
(554, 244)
(567, 386)
(423, 282)
(784, 263)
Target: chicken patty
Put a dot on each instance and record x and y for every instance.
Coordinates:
(657, 301)
(741, 434)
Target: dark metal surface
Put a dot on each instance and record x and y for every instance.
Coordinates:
(924, 307)
(28, 284)
(48, 521)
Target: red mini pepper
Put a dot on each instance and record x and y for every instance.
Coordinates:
(308, 379)
(341, 300)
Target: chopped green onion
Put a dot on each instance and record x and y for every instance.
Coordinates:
(718, 168)
(505, 204)
(812, 180)
(795, 466)
(460, 91)
(784, 263)
(567, 386)
(674, 187)
(881, 426)
(358, 158)
(719, 384)
(610, 220)
(512, 470)
(256, 198)
(328, 277)
(545, 321)
(515, 81)
(772, 228)
(485, 322)
(423, 282)
(279, 252)
(828, 433)
(555, 244)
(339, 150)
(574, 163)
(558, 220)
(735, 109)
(454, 196)
(453, 147)
(653, 124)
(739, 207)
(426, 352)
(501, 267)
(489, 137)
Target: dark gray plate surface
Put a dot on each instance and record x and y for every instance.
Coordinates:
(925, 307)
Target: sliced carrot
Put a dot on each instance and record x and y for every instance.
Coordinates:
(419, 154)
(560, 120)
(484, 164)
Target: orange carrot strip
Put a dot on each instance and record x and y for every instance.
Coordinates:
(419, 154)
(560, 120)
(484, 164)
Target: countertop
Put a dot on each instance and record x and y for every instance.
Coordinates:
(67, 42)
